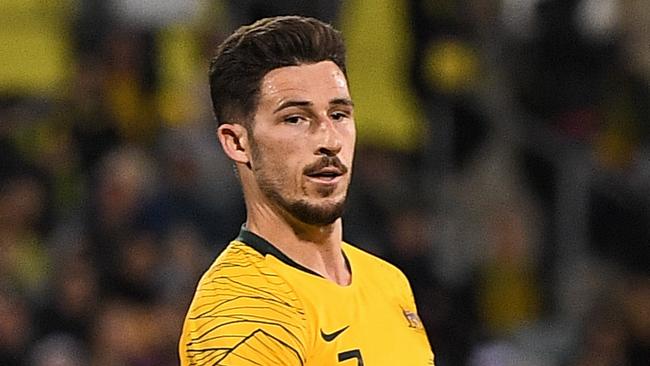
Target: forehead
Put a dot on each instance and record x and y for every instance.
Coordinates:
(323, 79)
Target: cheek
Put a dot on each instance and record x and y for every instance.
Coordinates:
(349, 133)
(349, 141)
(281, 161)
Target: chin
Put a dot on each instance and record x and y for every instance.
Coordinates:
(317, 214)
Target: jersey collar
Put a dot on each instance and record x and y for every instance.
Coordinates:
(264, 247)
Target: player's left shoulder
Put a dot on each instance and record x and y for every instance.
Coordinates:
(374, 265)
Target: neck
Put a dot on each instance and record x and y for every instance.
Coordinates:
(313, 246)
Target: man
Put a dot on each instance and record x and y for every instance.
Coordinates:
(288, 291)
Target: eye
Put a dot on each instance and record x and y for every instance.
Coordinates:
(294, 119)
(339, 115)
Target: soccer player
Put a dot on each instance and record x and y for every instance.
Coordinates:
(288, 291)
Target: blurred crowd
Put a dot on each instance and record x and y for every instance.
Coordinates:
(503, 164)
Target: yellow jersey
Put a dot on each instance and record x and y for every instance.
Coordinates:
(256, 306)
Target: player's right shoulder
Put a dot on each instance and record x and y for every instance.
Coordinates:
(237, 258)
(242, 305)
(239, 273)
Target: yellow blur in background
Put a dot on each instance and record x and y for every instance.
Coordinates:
(35, 49)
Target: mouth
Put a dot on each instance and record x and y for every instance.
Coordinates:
(328, 170)
(326, 175)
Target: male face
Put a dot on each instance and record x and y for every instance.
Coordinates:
(302, 142)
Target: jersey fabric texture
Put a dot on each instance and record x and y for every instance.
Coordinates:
(256, 306)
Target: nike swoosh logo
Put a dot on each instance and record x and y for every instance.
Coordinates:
(328, 337)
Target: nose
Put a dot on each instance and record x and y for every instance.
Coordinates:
(329, 140)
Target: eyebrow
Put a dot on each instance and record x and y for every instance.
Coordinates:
(342, 101)
(304, 103)
(293, 103)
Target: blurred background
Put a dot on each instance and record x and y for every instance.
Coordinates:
(503, 164)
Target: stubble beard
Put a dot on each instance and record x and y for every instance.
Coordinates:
(308, 213)
(302, 210)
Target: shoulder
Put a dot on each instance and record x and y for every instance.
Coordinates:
(392, 281)
(240, 274)
(241, 304)
(374, 265)
(238, 260)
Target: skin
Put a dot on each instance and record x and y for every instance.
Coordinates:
(292, 189)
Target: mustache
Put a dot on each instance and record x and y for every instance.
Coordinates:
(324, 162)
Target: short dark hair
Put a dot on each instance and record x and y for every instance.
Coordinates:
(246, 56)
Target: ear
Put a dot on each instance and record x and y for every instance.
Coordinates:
(234, 141)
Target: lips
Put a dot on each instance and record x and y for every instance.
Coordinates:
(328, 168)
(326, 173)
